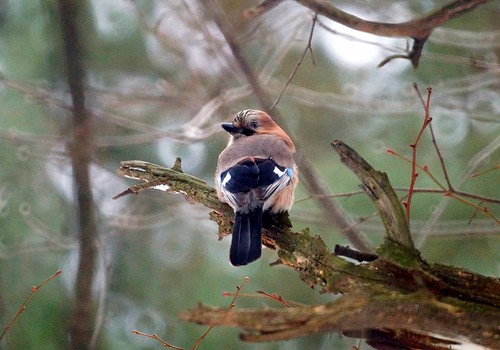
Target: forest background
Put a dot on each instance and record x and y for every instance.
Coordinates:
(157, 79)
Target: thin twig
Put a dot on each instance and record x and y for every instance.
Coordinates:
(337, 195)
(497, 167)
(362, 219)
(238, 290)
(472, 165)
(155, 337)
(203, 336)
(440, 190)
(444, 191)
(230, 307)
(413, 55)
(434, 142)
(413, 146)
(23, 306)
(458, 195)
(276, 297)
(299, 62)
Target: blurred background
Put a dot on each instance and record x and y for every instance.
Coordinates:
(160, 78)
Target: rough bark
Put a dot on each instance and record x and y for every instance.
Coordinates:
(394, 299)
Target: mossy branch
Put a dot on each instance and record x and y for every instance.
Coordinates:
(379, 318)
(377, 186)
(403, 296)
(172, 180)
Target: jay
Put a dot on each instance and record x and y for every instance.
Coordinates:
(255, 173)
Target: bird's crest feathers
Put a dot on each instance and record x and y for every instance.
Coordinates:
(252, 121)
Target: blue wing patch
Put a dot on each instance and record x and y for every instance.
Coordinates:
(273, 178)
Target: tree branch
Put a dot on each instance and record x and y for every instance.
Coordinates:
(403, 297)
(399, 266)
(173, 180)
(363, 315)
(398, 274)
(418, 29)
(376, 185)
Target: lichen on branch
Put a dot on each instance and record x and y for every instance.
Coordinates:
(395, 297)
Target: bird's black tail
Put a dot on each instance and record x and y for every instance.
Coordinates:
(246, 243)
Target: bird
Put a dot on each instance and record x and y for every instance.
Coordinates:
(256, 173)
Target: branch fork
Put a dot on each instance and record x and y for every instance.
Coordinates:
(393, 297)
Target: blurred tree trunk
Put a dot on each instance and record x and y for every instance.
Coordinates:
(82, 319)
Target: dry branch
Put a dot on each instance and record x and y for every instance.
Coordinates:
(376, 185)
(418, 29)
(359, 314)
(403, 297)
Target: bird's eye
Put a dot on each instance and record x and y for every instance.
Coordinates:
(254, 124)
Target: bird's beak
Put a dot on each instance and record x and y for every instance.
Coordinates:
(230, 128)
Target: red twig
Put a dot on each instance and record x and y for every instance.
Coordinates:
(447, 190)
(203, 336)
(458, 195)
(23, 306)
(238, 290)
(276, 297)
(413, 146)
(434, 142)
(230, 307)
(155, 337)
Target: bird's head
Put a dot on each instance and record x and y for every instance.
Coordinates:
(253, 122)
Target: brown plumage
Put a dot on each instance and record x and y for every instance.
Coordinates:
(255, 172)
